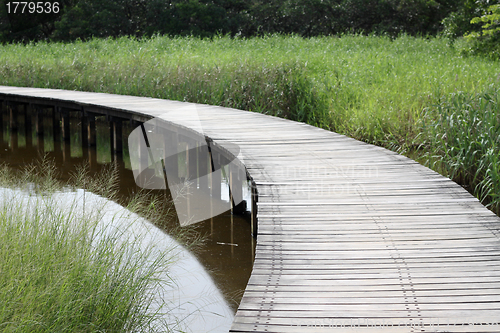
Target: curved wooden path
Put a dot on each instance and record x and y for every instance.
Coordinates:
(351, 237)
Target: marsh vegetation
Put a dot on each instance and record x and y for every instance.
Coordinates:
(418, 96)
(63, 270)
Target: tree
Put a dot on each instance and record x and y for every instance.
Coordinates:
(104, 18)
(458, 22)
(22, 25)
(487, 41)
(112, 18)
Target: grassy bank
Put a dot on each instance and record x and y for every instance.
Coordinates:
(463, 142)
(383, 91)
(62, 271)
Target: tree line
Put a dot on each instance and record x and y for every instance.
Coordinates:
(83, 19)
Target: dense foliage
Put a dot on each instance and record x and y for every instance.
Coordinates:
(112, 18)
(487, 41)
(458, 23)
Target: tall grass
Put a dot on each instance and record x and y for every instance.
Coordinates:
(377, 89)
(164, 68)
(371, 88)
(464, 142)
(62, 271)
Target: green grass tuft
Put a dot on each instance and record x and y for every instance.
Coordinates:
(464, 143)
(60, 271)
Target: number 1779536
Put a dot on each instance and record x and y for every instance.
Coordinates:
(16, 7)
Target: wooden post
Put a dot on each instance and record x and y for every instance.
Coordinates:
(56, 130)
(13, 139)
(39, 128)
(237, 190)
(2, 107)
(143, 156)
(66, 151)
(231, 198)
(13, 127)
(13, 116)
(203, 167)
(65, 125)
(254, 210)
(172, 161)
(231, 202)
(39, 121)
(112, 139)
(28, 128)
(92, 155)
(84, 130)
(56, 124)
(196, 166)
(193, 163)
(232, 232)
(116, 138)
(143, 162)
(91, 131)
(211, 185)
(187, 182)
(66, 134)
(216, 177)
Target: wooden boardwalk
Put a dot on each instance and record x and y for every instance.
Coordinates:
(351, 237)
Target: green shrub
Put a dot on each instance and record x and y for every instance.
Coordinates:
(458, 23)
(487, 41)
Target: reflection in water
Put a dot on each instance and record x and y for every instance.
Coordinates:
(186, 295)
(228, 251)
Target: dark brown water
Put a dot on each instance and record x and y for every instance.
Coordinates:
(228, 251)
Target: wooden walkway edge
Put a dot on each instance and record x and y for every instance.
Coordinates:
(351, 237)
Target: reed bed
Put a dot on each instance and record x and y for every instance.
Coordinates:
(61, 271)
(464, 143)
(377, 89)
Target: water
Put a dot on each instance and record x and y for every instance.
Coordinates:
(228, 251)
